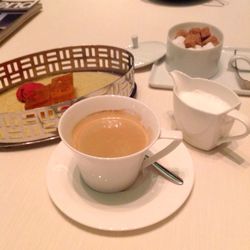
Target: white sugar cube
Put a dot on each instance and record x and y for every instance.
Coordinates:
(208, 46)
(198, 47)
(179, 41)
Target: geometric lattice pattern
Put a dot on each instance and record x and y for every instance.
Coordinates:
(62, 60)
(28, 125)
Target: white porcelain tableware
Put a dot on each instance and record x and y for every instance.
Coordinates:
(160, 77)
(127, 210)
(194, 62)
(233, 62)
(118, 173)
(147, 52)
(205, 111)
(234, 58)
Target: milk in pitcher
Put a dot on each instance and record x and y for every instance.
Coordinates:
(204, 101)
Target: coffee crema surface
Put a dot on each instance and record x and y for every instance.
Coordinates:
(110, 133)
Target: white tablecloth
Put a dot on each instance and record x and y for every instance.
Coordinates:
(217, 214)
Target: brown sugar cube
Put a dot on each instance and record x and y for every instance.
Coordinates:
(181, 32)
(214, 40)
(198, 38)
(191, 40)
(205, 33)
(211, 39)
(195, 31)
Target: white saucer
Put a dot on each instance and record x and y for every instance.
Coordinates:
(160, 77)
(147, 53)
(151, 199)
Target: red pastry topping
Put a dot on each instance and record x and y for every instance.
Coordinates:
(27, 89)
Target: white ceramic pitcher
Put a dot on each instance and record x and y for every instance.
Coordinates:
(207, 115)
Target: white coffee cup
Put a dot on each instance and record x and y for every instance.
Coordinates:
(196, 63)
(113, 174)
(205, 111)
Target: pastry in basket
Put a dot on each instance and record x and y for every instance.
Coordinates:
(36, 95)
(83, 83)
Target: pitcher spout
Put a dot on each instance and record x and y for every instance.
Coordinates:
(181, 81)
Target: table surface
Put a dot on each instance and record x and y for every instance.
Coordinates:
(217, 213)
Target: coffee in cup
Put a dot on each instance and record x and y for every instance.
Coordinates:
(110, 133)
(111, 161)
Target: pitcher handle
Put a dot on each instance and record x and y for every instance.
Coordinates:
(244, 120)
(238, 57)
(175, 135)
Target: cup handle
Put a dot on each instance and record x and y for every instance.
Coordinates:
(238, 57)
(244, 120)
(175, 135)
